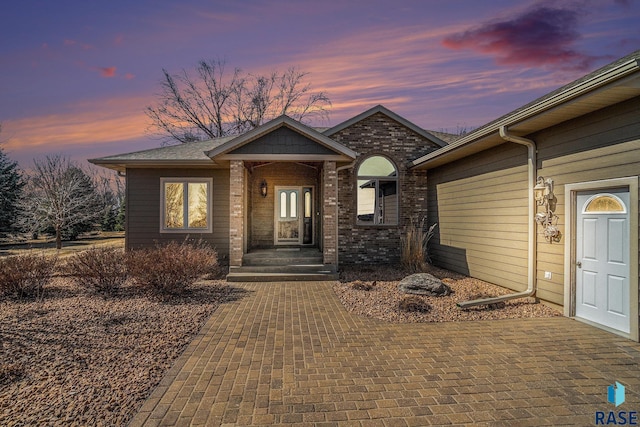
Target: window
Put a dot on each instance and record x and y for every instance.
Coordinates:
(377, 192)
(604, 203)
(186, 204)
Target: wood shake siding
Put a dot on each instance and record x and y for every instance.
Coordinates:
(480, 205)
(144, 204)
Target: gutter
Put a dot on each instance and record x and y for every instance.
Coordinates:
(531, 267)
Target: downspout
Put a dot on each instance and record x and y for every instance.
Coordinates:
(531, 268)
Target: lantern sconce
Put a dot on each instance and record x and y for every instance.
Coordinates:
(543, 194)
(263, 188)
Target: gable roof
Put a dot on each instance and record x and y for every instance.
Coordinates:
(225, 151)
(381, 109)
(190, 154)
(611, 84)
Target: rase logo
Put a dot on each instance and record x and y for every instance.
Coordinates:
(616, 396)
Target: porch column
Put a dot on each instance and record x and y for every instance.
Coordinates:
(330, 213)
(236, 213)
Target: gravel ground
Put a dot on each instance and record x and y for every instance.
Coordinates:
(80, 359)
(383, 300)
(75, 358)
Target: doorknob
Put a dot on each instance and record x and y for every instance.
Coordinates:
(579, 264)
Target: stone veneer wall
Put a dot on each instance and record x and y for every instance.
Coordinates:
(236, 217)
(379, 134)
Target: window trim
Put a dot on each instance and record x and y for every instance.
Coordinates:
(377, 180)
(186, 181)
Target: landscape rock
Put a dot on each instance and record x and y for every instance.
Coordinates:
(424, 284)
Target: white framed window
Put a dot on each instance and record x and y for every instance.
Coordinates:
(185, 205)
(377, 192)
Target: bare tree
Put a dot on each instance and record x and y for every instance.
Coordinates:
(213, 104)
(59, 196)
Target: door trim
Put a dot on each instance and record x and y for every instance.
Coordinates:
(571, 207)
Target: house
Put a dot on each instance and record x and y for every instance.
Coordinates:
(344, 192)
(543, 200)
(576, 243)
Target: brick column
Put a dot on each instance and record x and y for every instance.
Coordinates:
(330, 213)
(236, 213)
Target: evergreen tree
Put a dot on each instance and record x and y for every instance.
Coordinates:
(11, 184)
(120, 219)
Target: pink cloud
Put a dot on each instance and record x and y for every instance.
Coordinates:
(107, 72)
(129, 76)
(542, 35)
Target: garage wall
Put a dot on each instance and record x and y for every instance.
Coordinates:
(480, 202)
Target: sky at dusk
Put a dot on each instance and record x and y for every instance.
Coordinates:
(76, 76)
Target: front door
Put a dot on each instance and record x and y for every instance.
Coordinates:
(602, 258)
(294, 216)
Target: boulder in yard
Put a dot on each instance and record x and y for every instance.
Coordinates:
(424, 284)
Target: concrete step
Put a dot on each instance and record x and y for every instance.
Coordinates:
(317, 268)
(264, 261)
(284, 256)
(280, 277)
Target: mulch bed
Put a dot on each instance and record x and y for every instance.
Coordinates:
(76, 358)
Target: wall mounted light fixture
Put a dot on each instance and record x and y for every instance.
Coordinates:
(263, 188)
(543, 194)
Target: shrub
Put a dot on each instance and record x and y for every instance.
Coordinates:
(414, 303)
(26, 275)
(171, 268)
(103, 270)
(414, 254)
(359, 285)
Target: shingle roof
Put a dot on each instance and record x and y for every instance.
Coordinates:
(181, 152)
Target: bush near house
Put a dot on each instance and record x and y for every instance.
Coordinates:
(26, 275)
(414, 254)
(171, 268)
(104, 270)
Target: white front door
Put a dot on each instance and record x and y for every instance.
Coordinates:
(602, 258)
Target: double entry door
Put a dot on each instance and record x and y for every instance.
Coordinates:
(293, 216)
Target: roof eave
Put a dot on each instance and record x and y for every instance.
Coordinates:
(122, 165)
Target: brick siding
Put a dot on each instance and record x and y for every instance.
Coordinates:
(379, 134)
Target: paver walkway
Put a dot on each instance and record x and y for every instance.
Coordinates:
(290, 353)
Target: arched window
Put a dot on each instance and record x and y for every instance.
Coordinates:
(604, 204)
(377, 192)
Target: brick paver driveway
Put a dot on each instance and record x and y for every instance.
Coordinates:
(290, 353)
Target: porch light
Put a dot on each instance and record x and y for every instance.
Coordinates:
(263, 188)
(543, 194)
(543, 191)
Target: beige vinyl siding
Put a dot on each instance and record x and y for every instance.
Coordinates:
(480, 202)
(143, 207)
(599, 146)
(480, 205)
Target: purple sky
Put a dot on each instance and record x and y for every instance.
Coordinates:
(77, 75)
